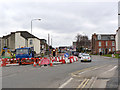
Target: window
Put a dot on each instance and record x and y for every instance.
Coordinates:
(109, 49)
(99, 49)
(22, 51)
(31, 42)
(113, 43)
(42, 46)
(4, 42)
(112, 37)
(113, 49)
(106, 43)
(99, 43)
(99, 37)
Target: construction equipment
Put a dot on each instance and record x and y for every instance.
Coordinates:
(24, 52)
(6, 53)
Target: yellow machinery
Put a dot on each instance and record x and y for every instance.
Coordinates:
(6, 53)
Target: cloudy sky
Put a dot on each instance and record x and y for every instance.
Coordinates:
(62, 20)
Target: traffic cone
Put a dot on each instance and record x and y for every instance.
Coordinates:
(51, 63)
(39, 63)
(34, 64)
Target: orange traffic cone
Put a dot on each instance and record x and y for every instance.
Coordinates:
(34, 64)
(51, 63)
(39, 63)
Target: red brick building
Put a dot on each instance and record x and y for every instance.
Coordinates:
(104, 43)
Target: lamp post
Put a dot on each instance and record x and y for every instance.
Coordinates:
(31, 23)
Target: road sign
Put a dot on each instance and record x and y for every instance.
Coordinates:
(66, 54)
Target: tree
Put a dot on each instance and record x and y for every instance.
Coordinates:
(82, 42)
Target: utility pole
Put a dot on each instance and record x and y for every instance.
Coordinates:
(31, 23)
(51, 41)
(48, 39)
(48, 43)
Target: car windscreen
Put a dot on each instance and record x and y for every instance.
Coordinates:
(22, 51)
(86, 55)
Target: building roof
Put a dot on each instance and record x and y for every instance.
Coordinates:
(24, 34)
(43, 40)
(105, 36)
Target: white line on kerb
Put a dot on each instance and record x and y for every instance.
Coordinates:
(65, 83)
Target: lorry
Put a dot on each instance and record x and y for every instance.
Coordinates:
(24, 52)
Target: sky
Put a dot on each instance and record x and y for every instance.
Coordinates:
(63, 20)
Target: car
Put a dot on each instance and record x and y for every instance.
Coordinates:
(86, 58)
(80, 55)
(76, 54)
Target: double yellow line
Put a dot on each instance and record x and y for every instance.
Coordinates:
(83, 83)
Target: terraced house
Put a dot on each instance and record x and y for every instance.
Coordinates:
(21, 39)
(103, 43)
(118, 40)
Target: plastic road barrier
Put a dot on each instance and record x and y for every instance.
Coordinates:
(27, 61)
(45, 61)
(8, 62)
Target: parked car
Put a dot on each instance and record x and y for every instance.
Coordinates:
(86, 58)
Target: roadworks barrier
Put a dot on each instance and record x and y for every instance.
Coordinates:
(38, 61)
(8, 62)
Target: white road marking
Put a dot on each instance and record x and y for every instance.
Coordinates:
(107, 57)
(90, 70)
(110, 70)
(55, 65)
(113, 68)
(95, 78)
(65, 83)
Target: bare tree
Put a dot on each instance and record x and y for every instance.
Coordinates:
(82, 42)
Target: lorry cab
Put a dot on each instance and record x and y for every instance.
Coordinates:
(25, 52)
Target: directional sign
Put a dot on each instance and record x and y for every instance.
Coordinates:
(66, 54)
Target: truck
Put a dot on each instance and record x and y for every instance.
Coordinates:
(25, 52)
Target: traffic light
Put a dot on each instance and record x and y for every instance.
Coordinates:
(54, 52)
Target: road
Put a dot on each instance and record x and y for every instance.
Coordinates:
(102, 72)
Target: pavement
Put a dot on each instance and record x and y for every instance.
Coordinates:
(102, 72)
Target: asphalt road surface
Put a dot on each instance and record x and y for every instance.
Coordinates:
(102, 72)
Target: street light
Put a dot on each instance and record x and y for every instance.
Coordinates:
(31, 23)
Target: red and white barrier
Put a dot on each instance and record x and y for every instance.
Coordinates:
(27, 61)
(38, 61)
(8, 62)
